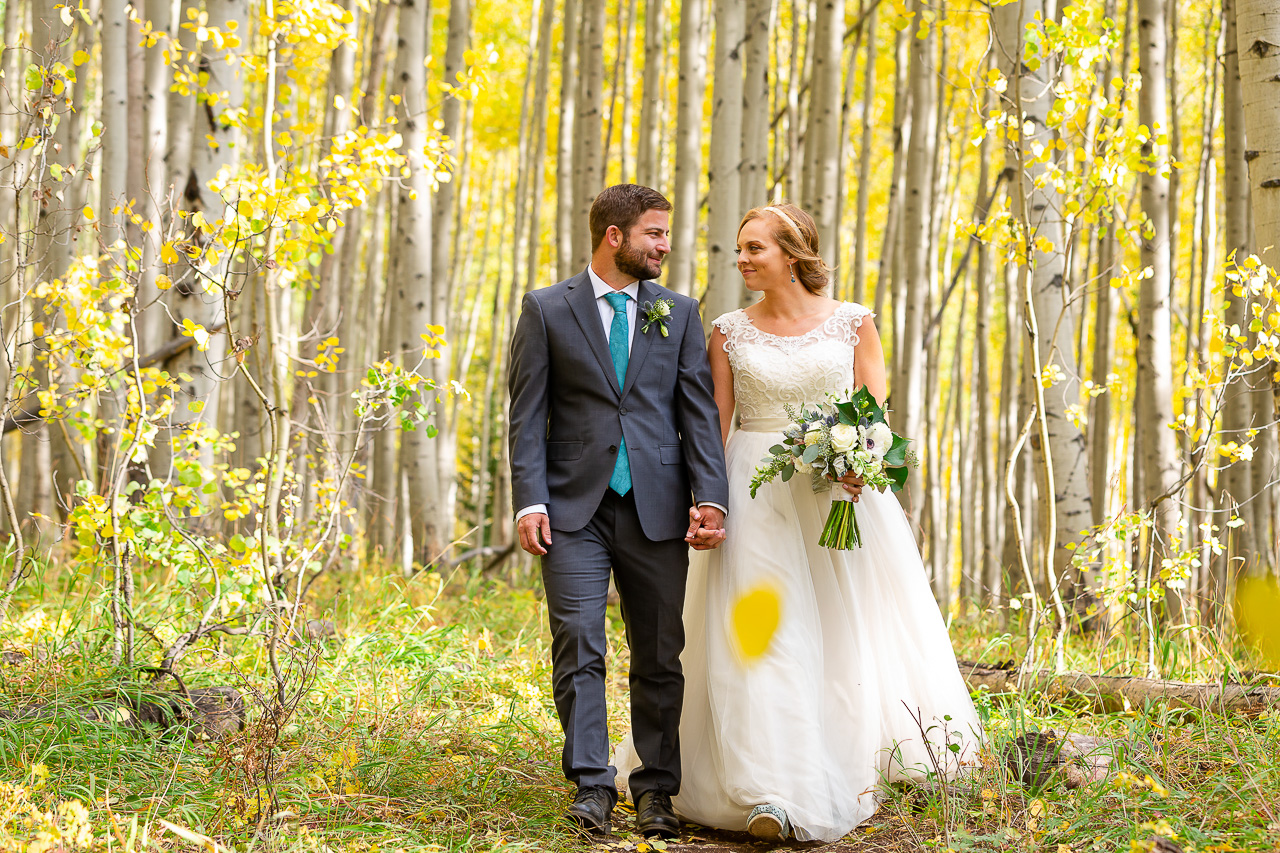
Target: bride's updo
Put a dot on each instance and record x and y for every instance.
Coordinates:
(796, 234)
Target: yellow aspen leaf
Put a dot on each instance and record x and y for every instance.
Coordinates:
(196, 406)
(163, 282)
(88, 213)
(755, 619)
(80, 57)
(168, 254)
(65, 13)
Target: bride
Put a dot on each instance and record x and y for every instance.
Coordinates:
(811, 675)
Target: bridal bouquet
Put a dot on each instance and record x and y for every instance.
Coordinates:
(837, 438)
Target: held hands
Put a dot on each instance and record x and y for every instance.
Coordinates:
(706, 528)
(535, 533)
(852, 484)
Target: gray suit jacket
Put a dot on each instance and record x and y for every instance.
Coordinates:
(568, 413)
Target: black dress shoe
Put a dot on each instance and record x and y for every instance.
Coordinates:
(591, 809)
(654, 815)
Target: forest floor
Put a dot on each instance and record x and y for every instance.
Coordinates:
(426, 724)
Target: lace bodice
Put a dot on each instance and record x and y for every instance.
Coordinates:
(770, 371)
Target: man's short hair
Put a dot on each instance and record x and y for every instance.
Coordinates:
(622, 205)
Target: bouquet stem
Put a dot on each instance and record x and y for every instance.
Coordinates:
(841, 531)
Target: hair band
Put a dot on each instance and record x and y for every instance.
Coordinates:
(781, 214)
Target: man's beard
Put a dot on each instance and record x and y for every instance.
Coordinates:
(632, 262)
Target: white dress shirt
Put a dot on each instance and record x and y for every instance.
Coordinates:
(601, 289)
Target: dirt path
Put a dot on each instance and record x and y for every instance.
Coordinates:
(875, 836)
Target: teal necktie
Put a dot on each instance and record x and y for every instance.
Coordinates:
(619, 352)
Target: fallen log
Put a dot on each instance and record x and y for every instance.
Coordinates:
(1120, 693)
(211, 713)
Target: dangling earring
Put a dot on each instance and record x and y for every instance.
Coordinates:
(793, 273)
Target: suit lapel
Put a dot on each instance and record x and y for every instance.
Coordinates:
(582, 302)
(640, 341)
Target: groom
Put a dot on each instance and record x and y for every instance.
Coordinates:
(616, 463)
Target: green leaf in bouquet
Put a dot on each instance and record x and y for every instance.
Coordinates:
(897, 477)
(897, 455)
(865, 402)
(787, 472)
(848, 413)
(811, 453)
(778, 450)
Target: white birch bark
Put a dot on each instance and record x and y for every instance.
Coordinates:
(864, 166)
(1039, 203)
(651, 94)
(688, 144)
(755, 104)
(825, 125)
(114, 156)
(570, 26)
(1235, 480)
(412, 256)
(724, 207)
(1258, 43)
(908, 390)
(1161, 460)
(154, 203)
(590, 153)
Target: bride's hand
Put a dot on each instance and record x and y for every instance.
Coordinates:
(853, 485)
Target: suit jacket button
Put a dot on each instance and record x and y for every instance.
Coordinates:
(613, 448)
(622, 411)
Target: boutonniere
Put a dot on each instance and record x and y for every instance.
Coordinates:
(657, 312)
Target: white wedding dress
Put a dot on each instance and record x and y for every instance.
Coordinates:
(812, 715)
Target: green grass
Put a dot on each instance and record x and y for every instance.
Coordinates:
(430, 727)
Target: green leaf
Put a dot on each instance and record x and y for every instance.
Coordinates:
(811, 453)
(897, 477)
(897, 455)
(788, 472)
(778, 450)
(34, 77)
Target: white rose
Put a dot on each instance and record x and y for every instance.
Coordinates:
(877, 439)
(813, 433)
(843, 438)
(802, 466)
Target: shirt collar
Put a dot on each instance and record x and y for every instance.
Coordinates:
(601, 288)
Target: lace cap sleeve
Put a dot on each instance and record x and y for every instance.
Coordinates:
(852, 314)
(731, 325)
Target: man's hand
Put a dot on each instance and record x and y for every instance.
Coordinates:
(706, 528)
(535, 533)
(853, 485)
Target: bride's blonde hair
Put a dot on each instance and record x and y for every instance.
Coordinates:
(796, 234)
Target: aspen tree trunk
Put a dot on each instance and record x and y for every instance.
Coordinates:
(651, 101)
(622, 87)
(864, 165)
(570, 26)
(892, 249)
(590, 154)
(180, 121)
(1161, 460)
(412, 256)
(724, 201)
(825, 125)
(1258, 44)
(916, 228)
(755, 105)
(113, 186)
(216, 144)
(154, 205)
(984, 447)
(386, 474)
(688, 144)
(1236, 479)
(792, 187)
(432, 501)
(1039, 204)
(45, 474)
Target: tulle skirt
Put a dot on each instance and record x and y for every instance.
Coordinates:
(811, 675)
